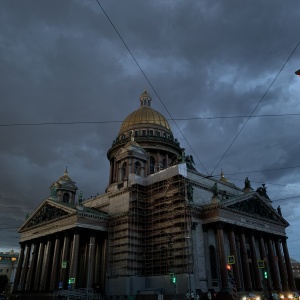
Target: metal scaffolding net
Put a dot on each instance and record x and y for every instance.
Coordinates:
(151, 237)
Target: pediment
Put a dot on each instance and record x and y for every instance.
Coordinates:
(48, 211)
(132, 148)
(255, 206)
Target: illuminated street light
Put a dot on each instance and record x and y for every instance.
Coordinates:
(229, 271)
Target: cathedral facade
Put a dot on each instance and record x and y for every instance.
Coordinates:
(161, 227)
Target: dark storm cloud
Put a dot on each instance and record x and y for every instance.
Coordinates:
(62, 61)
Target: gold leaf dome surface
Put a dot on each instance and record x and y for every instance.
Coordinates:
(144, 115)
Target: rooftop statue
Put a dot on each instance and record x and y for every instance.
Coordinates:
(215, 190)
(247, 183)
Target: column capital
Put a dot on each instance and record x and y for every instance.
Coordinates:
(43, 240)
(93, 234)
(219, 225)
(205, 227)
(77, 230)
(252, 232)
(283, 239)
(22, 245)
(232, 227)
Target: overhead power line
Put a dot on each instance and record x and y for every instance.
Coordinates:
(147, 79)
(168, 110)
(119, 121)
(265, 170)
(260, 171)
(286, 198)
(261, 99)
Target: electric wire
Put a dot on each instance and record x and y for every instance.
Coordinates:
(118, 121)
(264, 170)
(147, 79)
(261, 99)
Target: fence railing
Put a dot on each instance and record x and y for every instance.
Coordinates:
(77, 294)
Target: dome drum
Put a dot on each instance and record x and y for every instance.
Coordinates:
(148, 142)
(150, 132)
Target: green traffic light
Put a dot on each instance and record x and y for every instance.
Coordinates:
(265, 274)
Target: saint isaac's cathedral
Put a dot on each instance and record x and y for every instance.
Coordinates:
(161, 229)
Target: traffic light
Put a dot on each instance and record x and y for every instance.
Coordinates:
(229, 271)
(265, 274)
(173, 278)
(69, 281)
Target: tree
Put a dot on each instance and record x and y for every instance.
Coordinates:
(3, 283)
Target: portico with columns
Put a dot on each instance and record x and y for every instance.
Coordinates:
(48, 263)
(62, 242)
(247, 229)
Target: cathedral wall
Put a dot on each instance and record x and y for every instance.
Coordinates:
(123, 286)
(179, 169)
(101, 202)
(151, 285)
(226, 245)
(206, 183)
(200, 260)
(212, 238)
(119, 204)
(201, 196)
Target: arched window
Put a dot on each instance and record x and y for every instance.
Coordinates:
(137, 168)
(152, 164)
(66, 197)
(213, 262)
(123, 170)
(163, 164)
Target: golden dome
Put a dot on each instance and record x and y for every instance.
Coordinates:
(144, 115)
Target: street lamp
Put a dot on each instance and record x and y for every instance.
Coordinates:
(189, 270)
(88, 274)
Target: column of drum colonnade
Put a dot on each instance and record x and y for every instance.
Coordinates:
(272, 249)
(40, 261)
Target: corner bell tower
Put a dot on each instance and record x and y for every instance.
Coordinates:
(64, 189)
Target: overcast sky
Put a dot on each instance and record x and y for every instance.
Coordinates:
(62, 61)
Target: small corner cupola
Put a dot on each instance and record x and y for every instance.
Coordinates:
(223, 178)
(64, 189)
(145, 99)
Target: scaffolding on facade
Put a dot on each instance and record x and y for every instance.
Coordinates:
(151, 238)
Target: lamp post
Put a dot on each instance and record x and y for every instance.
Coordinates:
(189, 270)
(171, 264)
(88, 272)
